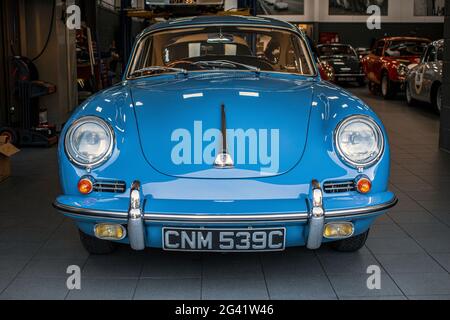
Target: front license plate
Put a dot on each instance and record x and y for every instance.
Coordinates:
(347, 79)
(224, 240)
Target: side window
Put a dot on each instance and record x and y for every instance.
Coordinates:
(379, 47)
(430, 55)
(440, 54)
(143, 57)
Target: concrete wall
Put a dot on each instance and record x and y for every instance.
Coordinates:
(400, 11)
(445, 114)
(352, 29)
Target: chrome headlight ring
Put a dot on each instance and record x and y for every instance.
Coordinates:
(103, 128)
(402, 70)
(379, 142)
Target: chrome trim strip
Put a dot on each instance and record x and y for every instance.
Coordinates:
(362, 211)
(224, 219)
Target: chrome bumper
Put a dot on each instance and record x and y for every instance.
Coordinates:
(135, 218)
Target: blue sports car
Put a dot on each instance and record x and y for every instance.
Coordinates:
(222, 137)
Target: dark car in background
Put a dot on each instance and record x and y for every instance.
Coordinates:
(345, 62)
(386, 67)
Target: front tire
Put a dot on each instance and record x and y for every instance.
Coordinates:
(436, 99)
(409, 99)
(361, 82)
(373, 88)
(352, 244)
(386, 87)
(96, 246)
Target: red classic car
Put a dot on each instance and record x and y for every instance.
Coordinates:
(386, 66)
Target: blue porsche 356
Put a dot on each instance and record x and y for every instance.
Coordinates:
(222, 137)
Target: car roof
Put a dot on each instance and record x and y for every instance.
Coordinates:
(220, 20)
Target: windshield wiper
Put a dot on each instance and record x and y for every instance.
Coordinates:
(227, 63)
(158, 69)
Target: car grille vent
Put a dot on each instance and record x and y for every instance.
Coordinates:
(339, 187)
(110, 186)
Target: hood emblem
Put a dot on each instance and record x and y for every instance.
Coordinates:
(224, 159)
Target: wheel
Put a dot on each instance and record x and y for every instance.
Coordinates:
(386, 87)
(373, 88)
(351, 244)
(10, 134)
(409, 99)
(436, 98)
(361, 82)
(96, 246)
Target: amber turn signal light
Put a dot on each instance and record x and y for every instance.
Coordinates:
(364, 185)
(85, 186)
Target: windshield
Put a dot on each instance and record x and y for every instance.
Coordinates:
(221, 48)
(327, 51)
(406, 48)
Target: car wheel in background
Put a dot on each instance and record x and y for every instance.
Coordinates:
(386, 87)
(96, 246)
(436, 98)
(351, 244)
(373, 88)
(361, 82)
(409, 99)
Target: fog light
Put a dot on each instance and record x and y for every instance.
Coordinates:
(85, 185)
(107, 231)
(364, 185)
(339, 230)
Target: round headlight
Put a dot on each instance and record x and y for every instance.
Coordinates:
(89, 142)
(359, 141)
(402, 70)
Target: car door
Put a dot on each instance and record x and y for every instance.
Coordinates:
(424, 75)
(373, 65)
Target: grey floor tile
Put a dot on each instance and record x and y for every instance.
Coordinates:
(231, 266)
(422, 230)
(292, 263)
(49, 268)
(168, 289)
(438, 243)
(18, 250)
(387, 231)
(353, 263)
(306, 287)
(104, 289)
(387, 246)
(172, 265)
(413, 217)
(435, 297)
(380, 298)
(241, 288)
(101, 269)
(349, 285)
(423, 283)
(443, 259)
(409, 263)
(36, 289)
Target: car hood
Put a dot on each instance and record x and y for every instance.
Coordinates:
(179, 119)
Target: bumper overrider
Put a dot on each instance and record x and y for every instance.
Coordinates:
(315, 218)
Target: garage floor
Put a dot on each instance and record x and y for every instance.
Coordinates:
(411, 244)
